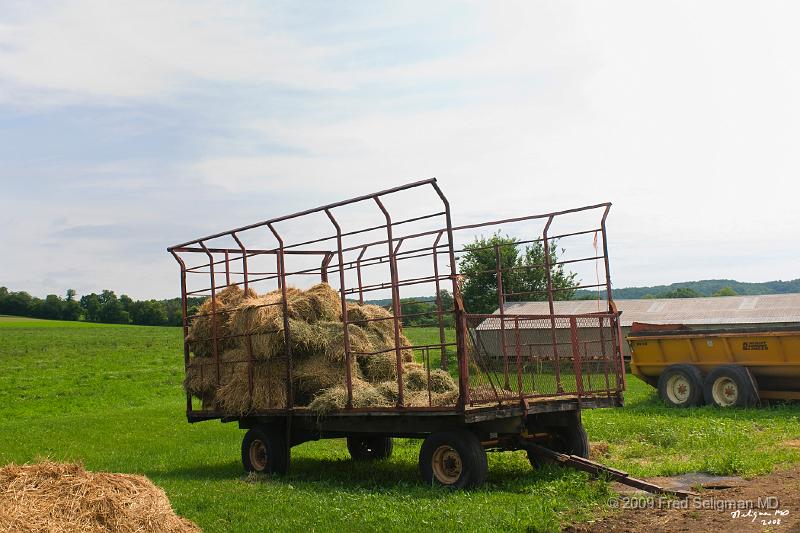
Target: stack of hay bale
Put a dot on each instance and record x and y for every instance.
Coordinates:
(247, 323)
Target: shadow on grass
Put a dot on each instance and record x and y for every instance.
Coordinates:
(348, 476)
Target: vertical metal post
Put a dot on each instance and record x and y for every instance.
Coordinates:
(248, 337)
(607, 363)
(458, 311)
(395, 301)
(185, 312)
(324, 268)
(244, 258)
(358, 274)
(501, 304)
(287, 334)
(549, 276)
(214, 332)
(605, 256)
(439, 313)
(345, 322)
(279, 263)
(576, 356)
(227, 269)
(519, 362)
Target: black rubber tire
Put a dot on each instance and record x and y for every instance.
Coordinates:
(571, 440)
(471, 454)
(747, 396)
(369, 447)
(275, 450)
(693, 377)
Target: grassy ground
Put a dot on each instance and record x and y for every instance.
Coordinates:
(110, 396)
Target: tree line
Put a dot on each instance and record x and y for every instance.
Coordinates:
(523, 275)
(105, 307)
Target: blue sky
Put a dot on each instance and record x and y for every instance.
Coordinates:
(127, 127)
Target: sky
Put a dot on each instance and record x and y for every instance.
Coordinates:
(126, 127)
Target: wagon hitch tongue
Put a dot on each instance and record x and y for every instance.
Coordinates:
(596, 469)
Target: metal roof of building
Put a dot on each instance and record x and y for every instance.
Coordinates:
(769, 308)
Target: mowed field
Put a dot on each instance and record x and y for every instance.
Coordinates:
(111, 397)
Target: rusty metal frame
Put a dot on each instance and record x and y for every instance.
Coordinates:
(333, 257)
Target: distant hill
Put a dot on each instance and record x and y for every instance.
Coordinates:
(703, 288)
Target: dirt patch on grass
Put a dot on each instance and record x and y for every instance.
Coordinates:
(598, 450)
(794, 443)
(778, 495)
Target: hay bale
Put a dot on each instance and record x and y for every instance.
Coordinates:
(314, 374)
(421, 399)
(50, 496)
(445, 399)
(364, 395)
(380, 367)
(373, 318)
(259, 323)
(328, 337)
(201, 329)
(319, 302)
(201, 374)
(388, 391)
(414, 377)
(380, 331)
(269, 387)
(441, 381)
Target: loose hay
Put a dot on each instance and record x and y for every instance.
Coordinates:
(50, 496)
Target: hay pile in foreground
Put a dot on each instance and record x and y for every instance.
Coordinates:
(50, 496)
(248, 324)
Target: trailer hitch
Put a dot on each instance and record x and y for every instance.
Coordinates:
(596, 469)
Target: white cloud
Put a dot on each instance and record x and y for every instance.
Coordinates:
(686, 115)
(90, 49)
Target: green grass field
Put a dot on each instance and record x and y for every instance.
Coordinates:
(110, 396)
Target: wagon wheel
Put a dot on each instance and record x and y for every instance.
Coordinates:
(265, 451)
(453, 459)
(369, 447)
(570, 439)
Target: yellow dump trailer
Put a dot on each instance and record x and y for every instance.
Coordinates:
(725, 367)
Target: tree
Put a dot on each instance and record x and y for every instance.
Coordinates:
(682, 292)
(111, 309)
(50, 308)
(91, 307)
(71, 309)
(17, 303)
(524, 276)
(147, 313)
(725, 291)
(446, 300)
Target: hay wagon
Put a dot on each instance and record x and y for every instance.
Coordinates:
(396, 248)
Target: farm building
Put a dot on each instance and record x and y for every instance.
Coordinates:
(710, 312)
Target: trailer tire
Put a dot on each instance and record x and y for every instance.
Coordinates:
(265, 451)
(369, 447)
(453, 459)
(730, 386)
(570, 440)
(681, 386)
